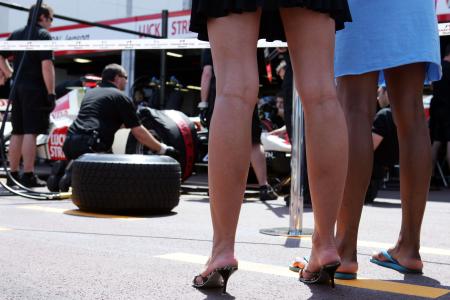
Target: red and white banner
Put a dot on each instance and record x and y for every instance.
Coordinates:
(178, 28)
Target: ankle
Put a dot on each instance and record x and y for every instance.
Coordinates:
(223, 248)
(346, 248)
(407, 245)
(323, 241)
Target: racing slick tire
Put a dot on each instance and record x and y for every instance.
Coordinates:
(173, 128)
(137, 184)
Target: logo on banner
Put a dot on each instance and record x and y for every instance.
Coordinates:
(55, 142)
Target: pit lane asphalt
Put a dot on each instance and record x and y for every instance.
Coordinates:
(47, 251)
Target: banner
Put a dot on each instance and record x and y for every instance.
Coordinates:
(178, 27)
(443, 10)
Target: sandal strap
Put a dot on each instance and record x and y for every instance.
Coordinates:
(203, 278)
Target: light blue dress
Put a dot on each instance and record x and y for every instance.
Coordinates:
(386, 34)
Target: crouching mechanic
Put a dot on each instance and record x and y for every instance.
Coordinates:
(103, 111)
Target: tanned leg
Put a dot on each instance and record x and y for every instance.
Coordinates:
(358, 98)
(29, 152)
(311, 38)
(236, 70)
(258, 161)
(15, 152)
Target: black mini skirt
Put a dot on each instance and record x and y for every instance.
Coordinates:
(271, 27)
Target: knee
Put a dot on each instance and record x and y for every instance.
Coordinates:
(359, 112)
(243, 93)
(410, 120)
(315, 97)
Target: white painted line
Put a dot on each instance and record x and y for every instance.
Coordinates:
(381, 246)
(44, 208)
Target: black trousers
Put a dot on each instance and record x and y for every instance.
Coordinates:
(76, 145)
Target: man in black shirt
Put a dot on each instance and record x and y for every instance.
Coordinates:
(33, 98)
(284, 71)
(208, 88)
(103, 111)
(384, 137)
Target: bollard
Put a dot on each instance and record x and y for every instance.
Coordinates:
(295, 228)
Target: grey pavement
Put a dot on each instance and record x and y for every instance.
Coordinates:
(47, 252)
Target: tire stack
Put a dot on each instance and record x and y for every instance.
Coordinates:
(132, 184)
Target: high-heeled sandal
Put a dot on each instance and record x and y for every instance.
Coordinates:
(324, 275)
(216, 279)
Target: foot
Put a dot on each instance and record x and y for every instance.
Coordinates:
(405, 257)
(348, 254)
(348, 266)
(213, 264)
(31, 180)
(326, 274)
(318, 259)
(266, 192)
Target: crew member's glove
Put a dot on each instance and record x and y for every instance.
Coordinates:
(169, 151)
(203, 107)
(50, 105)
(172, 152)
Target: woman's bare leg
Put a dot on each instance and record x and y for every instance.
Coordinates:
(311, 37)
(358, 96)
(258, 161)
(233, 43)
(405, 86)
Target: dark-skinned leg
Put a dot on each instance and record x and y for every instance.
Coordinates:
(358, 95)
(405, 86)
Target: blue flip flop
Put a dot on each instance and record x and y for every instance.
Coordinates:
(345, 276)
(393, 264)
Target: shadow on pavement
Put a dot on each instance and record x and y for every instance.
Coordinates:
(88, 214)
(422, 280)
(216, 293)
(380, 203)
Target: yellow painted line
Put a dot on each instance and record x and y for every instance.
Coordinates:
(380, 246)
(364, 283)
(5, 229)
(76, 212)
(395, 287)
